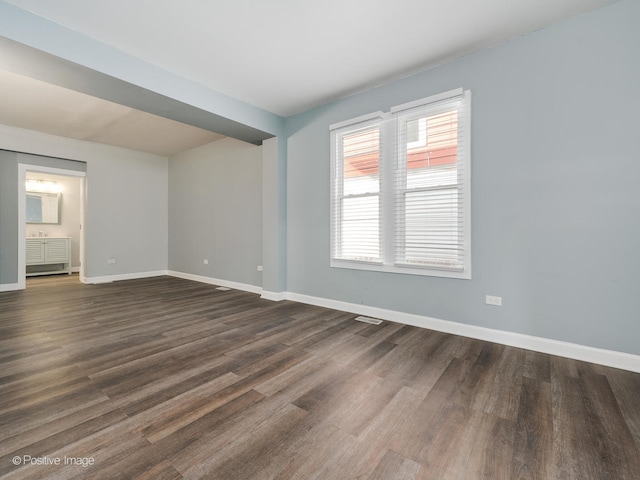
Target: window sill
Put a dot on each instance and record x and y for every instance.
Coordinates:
(408, 270)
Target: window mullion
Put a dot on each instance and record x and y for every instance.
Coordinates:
(336, 193)
(389, 165)
(400, 188)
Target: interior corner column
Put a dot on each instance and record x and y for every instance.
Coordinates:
(274, 215)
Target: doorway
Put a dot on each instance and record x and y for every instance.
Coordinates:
(69, 224)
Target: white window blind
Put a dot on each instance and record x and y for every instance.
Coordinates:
(429, 186)
(400, 199)
(356, 191)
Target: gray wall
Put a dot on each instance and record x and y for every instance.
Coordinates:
(8, 217)
(215, 211)
(555, 196)
(127, 214)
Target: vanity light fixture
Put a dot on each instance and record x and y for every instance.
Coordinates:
(47, 186)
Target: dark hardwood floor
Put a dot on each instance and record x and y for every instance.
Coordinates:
(165, 378)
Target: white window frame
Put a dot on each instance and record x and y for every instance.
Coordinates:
(390, 167)
(337, 186)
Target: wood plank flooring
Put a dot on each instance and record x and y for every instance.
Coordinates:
(165, 378)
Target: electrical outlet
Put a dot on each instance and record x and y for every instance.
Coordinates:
(259, 268)
(111, 261)
(205, 261)
(492, 300)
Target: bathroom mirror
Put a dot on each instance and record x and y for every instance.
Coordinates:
(43, 207)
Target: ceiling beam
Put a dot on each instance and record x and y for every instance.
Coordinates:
(45, 67)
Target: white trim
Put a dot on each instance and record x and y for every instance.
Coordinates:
(274, 296)
(124, 276)
(466, 180)
(216, 281)
(609, 358)
(83, 229)
(10, 287)
(405, 270)
(360, 119)
(456, 92)
(55, 171)
(22, 220)
(23, 168)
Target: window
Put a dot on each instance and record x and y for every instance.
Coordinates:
(357, 192)
(400, 189)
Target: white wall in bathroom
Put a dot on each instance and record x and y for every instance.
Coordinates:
(70, 214)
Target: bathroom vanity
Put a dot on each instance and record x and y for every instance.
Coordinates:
(49, 251)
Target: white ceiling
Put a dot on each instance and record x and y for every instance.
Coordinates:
(285, 56)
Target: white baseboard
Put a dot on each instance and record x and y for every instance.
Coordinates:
(10, 287)
(124, 276)
(216, 281)
(609, 358)
(275, 296)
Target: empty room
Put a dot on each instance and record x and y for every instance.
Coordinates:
(319, 240)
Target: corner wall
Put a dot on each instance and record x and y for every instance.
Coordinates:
(215, 212)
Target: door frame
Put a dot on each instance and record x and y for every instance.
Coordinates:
(23, 168)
